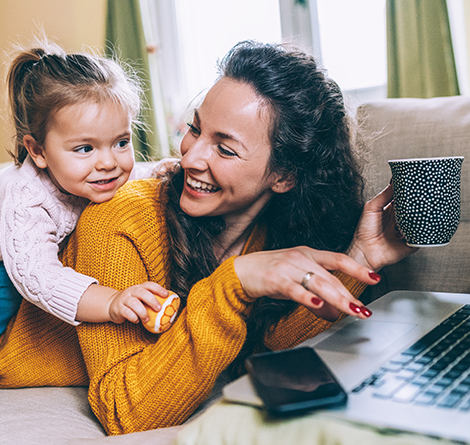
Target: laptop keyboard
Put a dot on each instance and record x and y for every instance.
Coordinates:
(434, 371)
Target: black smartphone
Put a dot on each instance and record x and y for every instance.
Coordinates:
(294, 380)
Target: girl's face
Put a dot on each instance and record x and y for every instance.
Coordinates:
(87, 151)
(225, 155)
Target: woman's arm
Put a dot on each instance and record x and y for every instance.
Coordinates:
(140, 381)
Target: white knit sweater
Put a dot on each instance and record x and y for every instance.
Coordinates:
(35, 218)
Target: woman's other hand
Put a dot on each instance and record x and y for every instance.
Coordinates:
(283, 274)
(377, 241)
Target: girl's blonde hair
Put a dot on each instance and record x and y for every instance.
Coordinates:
(44, 79)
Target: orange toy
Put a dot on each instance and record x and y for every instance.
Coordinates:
(161, 321)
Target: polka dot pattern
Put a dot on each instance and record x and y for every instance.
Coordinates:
(427, 199)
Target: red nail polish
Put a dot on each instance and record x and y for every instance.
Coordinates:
(375, 276)
(316, 301)
(366, 312)
(355, 308)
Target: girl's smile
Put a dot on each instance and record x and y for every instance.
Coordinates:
(88, 150)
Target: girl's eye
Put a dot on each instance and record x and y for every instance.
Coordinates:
(226, 152)
(193, 130)
(123, 143)
(84, 149)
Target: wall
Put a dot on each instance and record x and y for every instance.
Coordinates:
(74, 24)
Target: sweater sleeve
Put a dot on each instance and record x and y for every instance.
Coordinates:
(30, 233)
(138, 380)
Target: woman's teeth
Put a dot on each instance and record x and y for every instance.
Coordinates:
(201, 186)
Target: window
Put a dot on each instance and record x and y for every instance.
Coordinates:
(347, 37)
(353, 44)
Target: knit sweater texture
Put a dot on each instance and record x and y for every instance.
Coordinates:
(138, 380)
(35, 218)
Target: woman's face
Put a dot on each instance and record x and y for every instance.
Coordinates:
(225, 155)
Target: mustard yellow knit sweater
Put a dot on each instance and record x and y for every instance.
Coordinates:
(138, 380)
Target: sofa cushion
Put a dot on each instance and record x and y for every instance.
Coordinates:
(412, 128)
(62, 416)
(46, 415)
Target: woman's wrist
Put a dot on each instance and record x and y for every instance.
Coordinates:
(358, 255)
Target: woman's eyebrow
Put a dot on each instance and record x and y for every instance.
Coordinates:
(221, 134)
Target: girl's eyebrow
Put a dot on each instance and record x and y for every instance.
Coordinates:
(86, 138)
(221, 135)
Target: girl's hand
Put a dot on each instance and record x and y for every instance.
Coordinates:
(129, 303)
(282, 274)
(377, 241)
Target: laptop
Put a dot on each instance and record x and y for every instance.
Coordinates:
(407, 367)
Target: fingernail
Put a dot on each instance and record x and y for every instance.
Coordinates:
(355, 308)
(375, 276)
(316, 301)
(366, 311)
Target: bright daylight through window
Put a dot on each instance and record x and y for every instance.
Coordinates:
(195, 33)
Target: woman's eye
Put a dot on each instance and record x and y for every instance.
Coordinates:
(226, 152)
(193, 130)
(84, 149)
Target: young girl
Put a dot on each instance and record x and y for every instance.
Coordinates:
(73, 115)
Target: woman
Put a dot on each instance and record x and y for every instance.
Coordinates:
(267, 166)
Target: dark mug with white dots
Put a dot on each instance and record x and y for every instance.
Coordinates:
(426, 193)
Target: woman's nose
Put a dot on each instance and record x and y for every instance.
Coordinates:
(195, 154)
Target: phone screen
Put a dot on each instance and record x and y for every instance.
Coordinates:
(295, 379)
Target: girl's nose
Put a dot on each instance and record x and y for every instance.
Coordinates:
(106, 160)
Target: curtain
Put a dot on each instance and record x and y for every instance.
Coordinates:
(420, 57)
(125, 35)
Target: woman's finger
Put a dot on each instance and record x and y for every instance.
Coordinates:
(333, 292)
(331, 261)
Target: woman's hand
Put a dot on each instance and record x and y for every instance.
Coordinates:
(282, 274)
(377, 241)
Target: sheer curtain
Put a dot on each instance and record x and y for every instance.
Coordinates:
(125, 35)
(420, 57)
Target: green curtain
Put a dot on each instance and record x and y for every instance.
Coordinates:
(125, 34)
(420, 57)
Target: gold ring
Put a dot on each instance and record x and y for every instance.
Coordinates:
(306, 279)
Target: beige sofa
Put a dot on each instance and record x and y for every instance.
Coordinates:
(402, 128)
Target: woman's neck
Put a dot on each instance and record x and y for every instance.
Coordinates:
(231, 242)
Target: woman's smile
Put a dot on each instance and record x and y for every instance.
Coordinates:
(225, 156)
(200, 186)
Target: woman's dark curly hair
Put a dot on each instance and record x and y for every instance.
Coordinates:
(312, 145)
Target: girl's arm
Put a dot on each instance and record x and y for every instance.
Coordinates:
(32, 225)
(100, 304)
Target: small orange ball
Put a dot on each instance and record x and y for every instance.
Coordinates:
(161, 321)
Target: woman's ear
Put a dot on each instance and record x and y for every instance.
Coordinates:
(283, 185)
(35, 150)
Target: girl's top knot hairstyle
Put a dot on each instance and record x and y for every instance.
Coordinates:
(44, 79)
